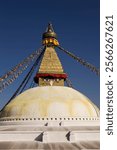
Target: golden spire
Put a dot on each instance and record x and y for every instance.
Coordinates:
(51, 71)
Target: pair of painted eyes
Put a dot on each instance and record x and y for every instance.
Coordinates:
(52, 79)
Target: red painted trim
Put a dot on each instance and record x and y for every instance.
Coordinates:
(51, 75)
(43, 75)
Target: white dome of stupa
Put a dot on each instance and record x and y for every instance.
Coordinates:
(50, 101)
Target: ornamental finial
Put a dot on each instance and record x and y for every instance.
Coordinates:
(49, 37)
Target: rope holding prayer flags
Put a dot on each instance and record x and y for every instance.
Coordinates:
(81, 61)
(26, 61)
(14, 73)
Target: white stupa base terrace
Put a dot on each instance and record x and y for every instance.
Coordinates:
(50, 133)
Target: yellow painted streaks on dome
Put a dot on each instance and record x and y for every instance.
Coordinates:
(69, 104)
(44, 108)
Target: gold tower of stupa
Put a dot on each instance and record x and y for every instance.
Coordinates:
(51, 71)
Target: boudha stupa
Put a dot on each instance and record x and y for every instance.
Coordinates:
(50, 116)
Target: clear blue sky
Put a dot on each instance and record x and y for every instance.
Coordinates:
(76, 23)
